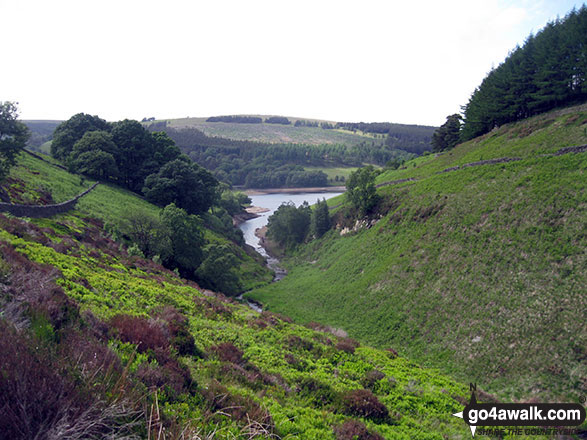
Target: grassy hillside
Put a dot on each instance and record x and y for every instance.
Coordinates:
(99, 343)
(273, 133)
(478, 271)
(110, 204)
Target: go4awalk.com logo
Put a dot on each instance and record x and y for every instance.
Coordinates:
(551, 417)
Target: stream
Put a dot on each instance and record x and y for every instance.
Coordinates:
(271, 202)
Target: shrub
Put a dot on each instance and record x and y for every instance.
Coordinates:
(181, 338)
(319, 394)
(348, 345)
(147, 335)
(227, 352)
(241, 409)
(172, 376)
(363, 403)
(40, 399)
(371, 379)
(295, 342)
(354, 430)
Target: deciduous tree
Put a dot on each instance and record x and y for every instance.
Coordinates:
(13, 136)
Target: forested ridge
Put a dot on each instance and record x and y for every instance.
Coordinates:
(547, 72)
(263, 165)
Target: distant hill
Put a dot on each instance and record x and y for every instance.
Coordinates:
(299, 131)
(41, 133)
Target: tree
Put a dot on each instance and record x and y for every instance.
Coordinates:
(217, 271)
(147, 232)
(97, 164)
(93, 155)
(361, 191)
(320, 218)
(289, 225)
(13, 137)
(94, 140)
(447, 135)
(135, 148)
(185, 239)
(184, 183)
(69, 132)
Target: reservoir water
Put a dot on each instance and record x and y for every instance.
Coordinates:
(272, 202)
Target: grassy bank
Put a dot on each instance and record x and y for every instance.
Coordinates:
(478, 271)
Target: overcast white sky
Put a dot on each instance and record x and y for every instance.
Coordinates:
(362, 60)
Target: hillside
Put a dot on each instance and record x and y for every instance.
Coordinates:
(97, 343)
(473, 266)
(272, 133)
(33, 180)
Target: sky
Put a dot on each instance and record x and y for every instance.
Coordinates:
(411, 62)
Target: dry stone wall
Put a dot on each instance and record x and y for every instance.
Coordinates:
(37, 211)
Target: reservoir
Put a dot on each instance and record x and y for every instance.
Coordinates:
(272, 202)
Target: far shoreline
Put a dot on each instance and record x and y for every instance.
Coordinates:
(261, 191)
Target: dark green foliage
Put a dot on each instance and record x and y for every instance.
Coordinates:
(147, 232)
(69, 132)
(181, 338)
(361, 191)
(289, 176)
(97, 164)
(241, 409)
(123, 152)
(278, 120)
(233, 202)
(184, 183)
(318, 393)
(394, 163)
(305, 123)
(264, 165)
(236, 119)
(217, 271)
(135, 148)
(549, 71)
(447, 135)
(289, 225)
(93, 156)
(184, 238)
(320, 218)
(13, 137)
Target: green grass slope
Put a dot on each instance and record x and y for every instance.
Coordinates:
(141, 352)
(478, 271)
(110, 203)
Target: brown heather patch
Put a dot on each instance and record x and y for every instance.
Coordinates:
(31, 290)
(243, 410)
(354, 430)
(146, 334)
(296, 343)
(213, 308)
(228, 352)
(363, 403)
(26, 230)
(347, 345)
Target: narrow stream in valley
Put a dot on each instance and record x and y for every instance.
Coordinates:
(271, 202)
